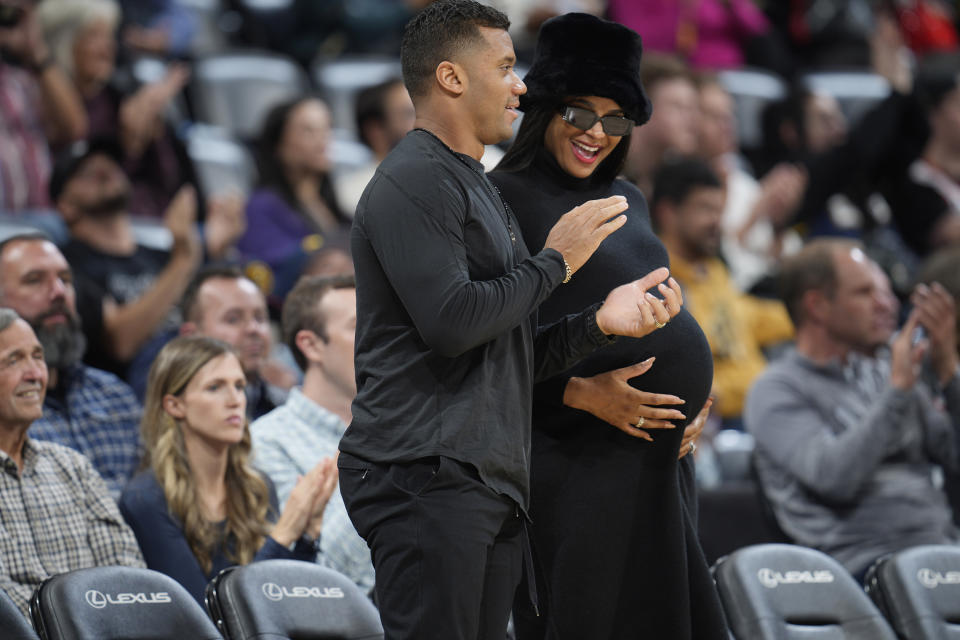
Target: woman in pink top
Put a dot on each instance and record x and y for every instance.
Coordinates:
(709, 34)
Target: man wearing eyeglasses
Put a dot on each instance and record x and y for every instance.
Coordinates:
(434, 467)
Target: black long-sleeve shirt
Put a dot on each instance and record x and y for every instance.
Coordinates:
(447, 348)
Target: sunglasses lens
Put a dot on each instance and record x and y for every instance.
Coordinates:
(582, 119)
(616, 126)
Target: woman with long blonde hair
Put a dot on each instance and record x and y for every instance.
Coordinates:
(199, 505)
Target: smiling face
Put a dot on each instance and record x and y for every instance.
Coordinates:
(94, 53)
(212, 407)
(23, 376)
(493, 88)
(578, 152)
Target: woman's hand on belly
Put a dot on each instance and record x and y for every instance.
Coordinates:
(693, 431)
(610, 397)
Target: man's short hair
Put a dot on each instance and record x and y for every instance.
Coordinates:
(189, 304)
(439, 32)
(813, 268)
(677, 177)
(300, 309)
(23, 236)
(371, 105)
(658, 67)
(7, 317)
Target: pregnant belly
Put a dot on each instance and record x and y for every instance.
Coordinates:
(684, 364)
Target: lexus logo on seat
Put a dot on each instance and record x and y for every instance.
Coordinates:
(772, 579)
(96, 599)
(275, 592)
(931, 579)
(99, 600)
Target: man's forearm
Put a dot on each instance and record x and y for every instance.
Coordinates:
(130, 325)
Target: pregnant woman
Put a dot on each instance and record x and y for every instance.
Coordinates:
(613, 520)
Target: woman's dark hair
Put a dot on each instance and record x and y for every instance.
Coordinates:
(272, 173)
(530, 137)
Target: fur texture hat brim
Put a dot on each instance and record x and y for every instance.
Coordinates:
(579, 54)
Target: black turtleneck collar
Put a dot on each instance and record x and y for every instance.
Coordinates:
(546, 165)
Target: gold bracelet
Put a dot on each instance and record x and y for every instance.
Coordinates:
(568, 272)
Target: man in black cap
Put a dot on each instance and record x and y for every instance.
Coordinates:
(129, 291)
(434, 467)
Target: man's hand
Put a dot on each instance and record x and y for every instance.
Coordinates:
(630, 310)
(937, 314)
(906, 354)
(610, 397)
(226, 222)
(181, 219)
(580, 231)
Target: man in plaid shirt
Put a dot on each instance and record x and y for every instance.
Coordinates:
(86, 409)
(55, 512)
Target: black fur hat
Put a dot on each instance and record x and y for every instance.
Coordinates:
(582, 55)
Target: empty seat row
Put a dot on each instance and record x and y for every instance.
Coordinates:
(272, 599)
(788, 592)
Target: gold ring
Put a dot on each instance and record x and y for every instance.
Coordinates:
(640, 422)
(660, 325)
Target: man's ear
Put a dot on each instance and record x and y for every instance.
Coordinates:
(451, 77)
(68, 212)
(310, 345)
(815, 305)
(173, 405)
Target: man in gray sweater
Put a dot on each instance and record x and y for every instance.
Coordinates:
(853, 427)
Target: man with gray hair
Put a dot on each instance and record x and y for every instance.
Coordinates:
(86, 409)
(57, 513)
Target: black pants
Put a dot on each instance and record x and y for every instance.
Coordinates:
(448, 551)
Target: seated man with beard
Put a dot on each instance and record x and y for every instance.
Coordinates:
(86, 409)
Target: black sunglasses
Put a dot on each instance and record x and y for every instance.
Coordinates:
(584, 119)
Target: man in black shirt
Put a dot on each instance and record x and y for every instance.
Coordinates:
(434, 468)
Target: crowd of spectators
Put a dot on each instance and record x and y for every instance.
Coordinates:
(95, 165)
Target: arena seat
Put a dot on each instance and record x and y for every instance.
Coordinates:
(856, 91)
(117, 603)
(281, 599)
(340, 79)
(12, 622)
(752, 90)
(918, 590)
(236, 90)
(788, 592)
(222, 163)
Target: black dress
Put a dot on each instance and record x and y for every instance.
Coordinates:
(614, 523)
